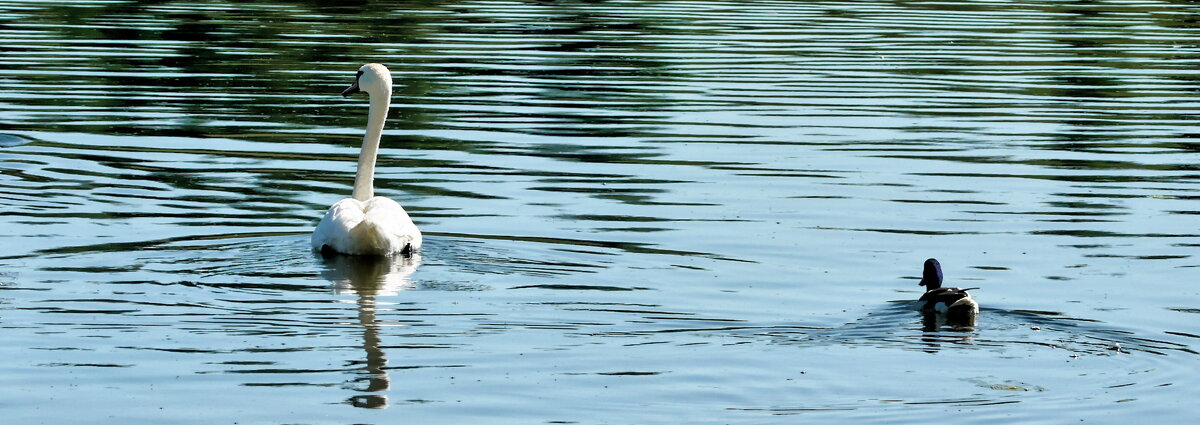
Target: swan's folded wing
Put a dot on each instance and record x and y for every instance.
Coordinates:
(378, 226)
(335, 227)
(393, 223)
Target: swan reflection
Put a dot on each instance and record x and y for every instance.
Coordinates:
(370, 275)
(368, 278)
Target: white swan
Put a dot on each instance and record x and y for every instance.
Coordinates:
(366, 224)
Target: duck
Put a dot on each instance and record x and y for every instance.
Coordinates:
(954, 303)
(365, 224)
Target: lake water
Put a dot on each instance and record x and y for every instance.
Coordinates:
(635, 212)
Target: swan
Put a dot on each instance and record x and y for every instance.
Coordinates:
(365, 224)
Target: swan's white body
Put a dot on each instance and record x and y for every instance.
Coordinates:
(366, 224)
(378, 226)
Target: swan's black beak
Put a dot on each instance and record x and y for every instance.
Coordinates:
(350, 90)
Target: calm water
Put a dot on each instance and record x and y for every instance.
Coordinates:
(635, 212)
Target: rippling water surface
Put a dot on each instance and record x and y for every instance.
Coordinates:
(635, 212)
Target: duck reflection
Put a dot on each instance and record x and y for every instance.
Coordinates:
(369, 278)
(933, 322)
(938, 329)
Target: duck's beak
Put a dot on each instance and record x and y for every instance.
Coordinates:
(350, 90)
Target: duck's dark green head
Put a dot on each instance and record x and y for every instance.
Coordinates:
(931, 278)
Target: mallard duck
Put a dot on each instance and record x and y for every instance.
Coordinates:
(955, 303)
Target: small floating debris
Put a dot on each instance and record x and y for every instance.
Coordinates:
(1036, 328)
(1117, 347)
(1007, 385)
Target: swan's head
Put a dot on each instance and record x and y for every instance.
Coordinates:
(373, 79)
(931, 277)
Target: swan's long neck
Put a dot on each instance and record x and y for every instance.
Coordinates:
(364, 180)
